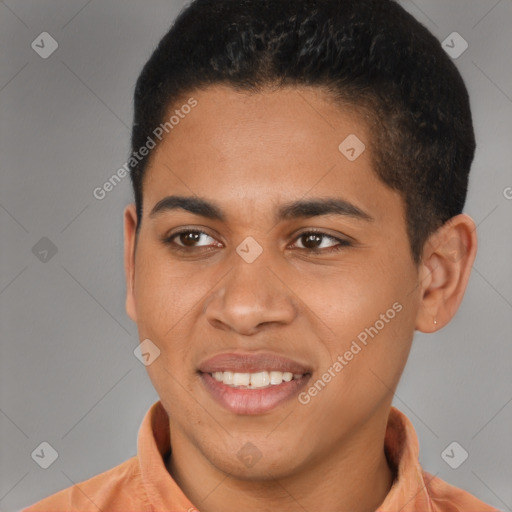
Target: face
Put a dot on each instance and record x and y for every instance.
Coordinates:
(327, 291)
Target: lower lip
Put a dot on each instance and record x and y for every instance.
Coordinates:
(252, 401)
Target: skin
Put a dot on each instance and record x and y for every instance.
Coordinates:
(249, 153)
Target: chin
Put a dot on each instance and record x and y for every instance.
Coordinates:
(249, 463)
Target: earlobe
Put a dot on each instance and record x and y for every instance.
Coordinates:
(130, 227)
(448, 257)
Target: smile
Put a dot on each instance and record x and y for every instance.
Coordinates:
(257, 380)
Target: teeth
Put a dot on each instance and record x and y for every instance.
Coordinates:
(276, 377)
(241, 379)
(255, 380)
(260, 380)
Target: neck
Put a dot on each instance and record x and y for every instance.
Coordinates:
(355, 477)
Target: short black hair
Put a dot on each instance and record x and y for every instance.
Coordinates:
(369, 54)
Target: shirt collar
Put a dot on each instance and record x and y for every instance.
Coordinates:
(153, 442)
(409, 490)
(407, 494)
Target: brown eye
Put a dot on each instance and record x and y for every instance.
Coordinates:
(187, 239)
(312, 241)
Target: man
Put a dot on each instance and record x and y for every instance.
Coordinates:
(300, 169)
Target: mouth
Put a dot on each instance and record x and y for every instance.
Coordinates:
(258, 380)
(250, 384)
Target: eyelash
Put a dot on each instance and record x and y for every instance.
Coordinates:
(342, 242)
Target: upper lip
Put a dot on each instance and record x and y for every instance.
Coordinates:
(247, 363)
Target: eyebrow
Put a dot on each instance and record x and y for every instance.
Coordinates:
(293, 210)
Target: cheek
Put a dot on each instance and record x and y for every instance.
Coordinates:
(164, 293)
(165, 290)
(169, 296)
(165, 297)
(350, 299)
(366, 317)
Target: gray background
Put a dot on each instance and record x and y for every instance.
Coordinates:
(68, 373)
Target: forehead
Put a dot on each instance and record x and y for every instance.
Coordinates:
(257, 150)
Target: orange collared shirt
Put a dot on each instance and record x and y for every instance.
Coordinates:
(143, 484)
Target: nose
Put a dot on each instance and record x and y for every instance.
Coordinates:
(251, 297)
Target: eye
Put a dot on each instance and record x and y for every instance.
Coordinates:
(312, 238)
(187, 238)
(312, 241)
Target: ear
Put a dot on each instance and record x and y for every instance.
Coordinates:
(130, 226)
(447, 259)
